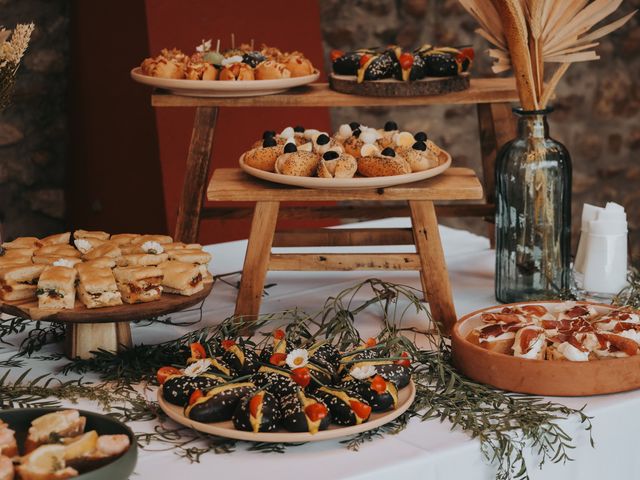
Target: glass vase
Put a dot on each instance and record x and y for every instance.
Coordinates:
(533, 213)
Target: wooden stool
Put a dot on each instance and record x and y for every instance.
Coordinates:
(231, 184)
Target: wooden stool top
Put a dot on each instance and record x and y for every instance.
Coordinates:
(232, 184)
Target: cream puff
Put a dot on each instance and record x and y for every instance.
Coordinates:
(353, 144)
(236, 71)
(295, 162)
(419, 157)
(387, 133)
(374, 163)
(271, 70)
(298, 65)
(337, 165)
(201, 71)
(264, 157)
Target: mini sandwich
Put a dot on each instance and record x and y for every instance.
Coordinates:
(97, 287)
(52, 259)
(22, 242)
(88, 234)
(19, 282)
(107, 249)
(85, 245)
(65, 249)
(152, 238)
(170, 247)
(123, 238)
(56, 288)
(181, 278)
(102, 262)
(199, 258)
(17, 255)
(139, 284)
(141, 259)
(57, 239)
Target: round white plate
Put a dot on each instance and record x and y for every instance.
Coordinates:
(348, 183)
(227, 430)
(222, 88)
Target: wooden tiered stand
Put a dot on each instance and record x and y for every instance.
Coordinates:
(492, 98)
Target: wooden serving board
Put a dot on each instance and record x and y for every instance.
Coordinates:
(168, 303)
(390, 87)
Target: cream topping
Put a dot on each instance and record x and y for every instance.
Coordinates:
(83, 245)
(572, 353)
(152, 247)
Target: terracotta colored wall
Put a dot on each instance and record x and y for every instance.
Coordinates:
(183, 24)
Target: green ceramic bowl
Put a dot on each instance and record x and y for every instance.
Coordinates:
(19, 419)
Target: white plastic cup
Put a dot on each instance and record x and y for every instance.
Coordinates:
(605, 261)
(589, 213)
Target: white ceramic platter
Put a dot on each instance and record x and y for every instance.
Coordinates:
(222, 88)
(227, 430)
(348, 183)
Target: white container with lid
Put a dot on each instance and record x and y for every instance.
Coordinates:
(605, 259)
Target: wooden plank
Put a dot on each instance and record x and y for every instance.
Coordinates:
(433, 274)
(232, 184)
(345, 261)
(482, 90)
(325, 237)
(350, 211)
(196, 172)
(256, 260)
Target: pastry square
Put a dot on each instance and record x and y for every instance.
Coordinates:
(141, 259)
(19, 282)
(181, 278)
(22, 242)
(102, 262)
(57, 239)
(197, 257)
(50, 259)
(91, 234)
(97, 287)
(62, 249)
(152, 238)
(56, 288)
(123, 238)
(107, 249)
(139, 283)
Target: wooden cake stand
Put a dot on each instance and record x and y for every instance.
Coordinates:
(90, 329)
(234, 185)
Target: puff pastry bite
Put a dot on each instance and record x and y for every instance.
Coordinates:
(337, 165)
(296, 162)
(381, 164)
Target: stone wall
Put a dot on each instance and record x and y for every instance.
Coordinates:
(597, 109)
(33, 130)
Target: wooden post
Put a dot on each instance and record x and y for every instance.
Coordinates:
(195, 178)
(256, 260)
(433, 274)
(84, 338)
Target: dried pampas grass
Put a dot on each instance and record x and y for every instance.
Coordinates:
(526, 34)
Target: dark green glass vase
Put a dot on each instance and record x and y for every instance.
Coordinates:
(533, 213)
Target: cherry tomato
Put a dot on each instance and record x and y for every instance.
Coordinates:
(335, 54)
(228, 343)
(195, 396)
(404, 363)
(406, 61)
(378, 384)
(278, 359)
(315, 411)
(364, 59)
(197, 351)
(166, 372)
(468, 52)
(278, 334)
(301, 376)
(371, 342)
(362, 410)
(254, 403)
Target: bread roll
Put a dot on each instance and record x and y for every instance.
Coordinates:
(299, 164)
(383, 166)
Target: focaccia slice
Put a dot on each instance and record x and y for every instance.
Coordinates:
(97, 287)
(57, 239)
(139, 284)
(56, 288)
(19, 282)
(91, 234)
(181, 278)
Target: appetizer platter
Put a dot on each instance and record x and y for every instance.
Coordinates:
(356, 156)
(284, 393)
(237, 72)
(93, 277)
(55, 444)
(551, 348)
(390, 71)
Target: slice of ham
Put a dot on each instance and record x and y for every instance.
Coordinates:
(504, 318)
(579, 325)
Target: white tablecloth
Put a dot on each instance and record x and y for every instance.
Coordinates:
(424, 449)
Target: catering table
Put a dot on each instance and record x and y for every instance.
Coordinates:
(424, 449)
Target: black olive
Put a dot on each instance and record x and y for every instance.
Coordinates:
(354, 125)
(268, 133)
(419, 146)
(322, 139)
(390, 126)
(388, 152)
(290, 148)
(420, 137)
(330, 155)
(298, 128)
(356, 133)
(269, 142)
(253, 58)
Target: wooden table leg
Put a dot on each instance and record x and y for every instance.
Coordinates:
(256, 261)
(84, 338)
(434, 276)
(196, 172)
